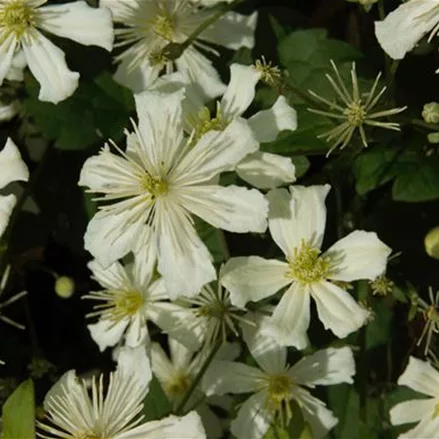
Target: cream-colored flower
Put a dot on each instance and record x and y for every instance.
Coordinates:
(297, 221)
(149, 26)
(20, 21)
(273, 384)
(261, 169)
(162, 180)
(115, 413)
(420, 376)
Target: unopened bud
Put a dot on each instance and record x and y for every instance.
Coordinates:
(65, 287)
(433, 138)
(430, 112)
(431, 243)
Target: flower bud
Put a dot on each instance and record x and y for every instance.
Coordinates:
(65, 287)
(431, 243)
(433, 138)
(430, 112)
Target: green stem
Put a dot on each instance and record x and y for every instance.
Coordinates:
(223, 244)
(199, 376)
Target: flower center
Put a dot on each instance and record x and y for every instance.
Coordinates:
(179, 385)
(203, 122)
(89, 436)
(355, 113)
(155, 186)
(128, 303)
(308, 266)
(279, 394)
(16, 18)
(163, 25)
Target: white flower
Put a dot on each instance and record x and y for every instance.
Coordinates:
(129, 299)
(198, 322)
(297, 224)
(12, 168)
(274, 384)
(19, 23)
(161, 180)
(420, 376)
(116, 413)
(260, 169)
(177, 372)
(399, 32)
(152, 25)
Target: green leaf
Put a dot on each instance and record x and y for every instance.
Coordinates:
(99, 109)
(301, 164)
(19, 413)
(156, 404)
(212, 239)
(379, 329)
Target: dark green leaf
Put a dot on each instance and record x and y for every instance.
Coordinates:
(156, 404)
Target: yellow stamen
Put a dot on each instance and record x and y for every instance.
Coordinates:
(16, 18)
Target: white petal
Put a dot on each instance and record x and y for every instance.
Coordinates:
(327, 366)
(19, 63)
(171, 427)
(426, 429)
(217, 151)
(421, 376)
(119, 10)
(270, 356)
(230, 377)
(79, 22)
(298, 216)
(138, 78)
(133, 363)
(232, 30)
(254, 418)
(266, 171)
(253, 278)
(180, 323)
(360, 255)
(232, 208)
(161, 366)
(337, 309)
(160, 126)
(109, 236)
(68, 382)
(137, 331)
(290, 320)
(201, 72)
(48, 65)
(11, 164)
(180, 355)
(8, 111)
(183, 260)
(315, 413)
(7, 204)
(7, 51)
(267, 124)
(399, 32)
(145, 257)
(106, 333)
(112, 277)
(240, 91)
(412, 411)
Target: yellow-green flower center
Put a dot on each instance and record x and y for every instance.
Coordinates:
(179, 385)
(203, 122)
(355, 113)
(279, 394)
(154, 186)
(128, 303)
(307, 266)
(16, 18)
(164, 26)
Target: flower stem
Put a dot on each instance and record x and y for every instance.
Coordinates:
(179, 409)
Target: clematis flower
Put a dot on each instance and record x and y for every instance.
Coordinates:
(261, 169)
(273, 384)
(151, 25)
(177, 372)
(422, 377)
(19, 24)
(12, 168)
(297, 222)
(131, 296)
(399, 32)
(114, 413)
(161, 180)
